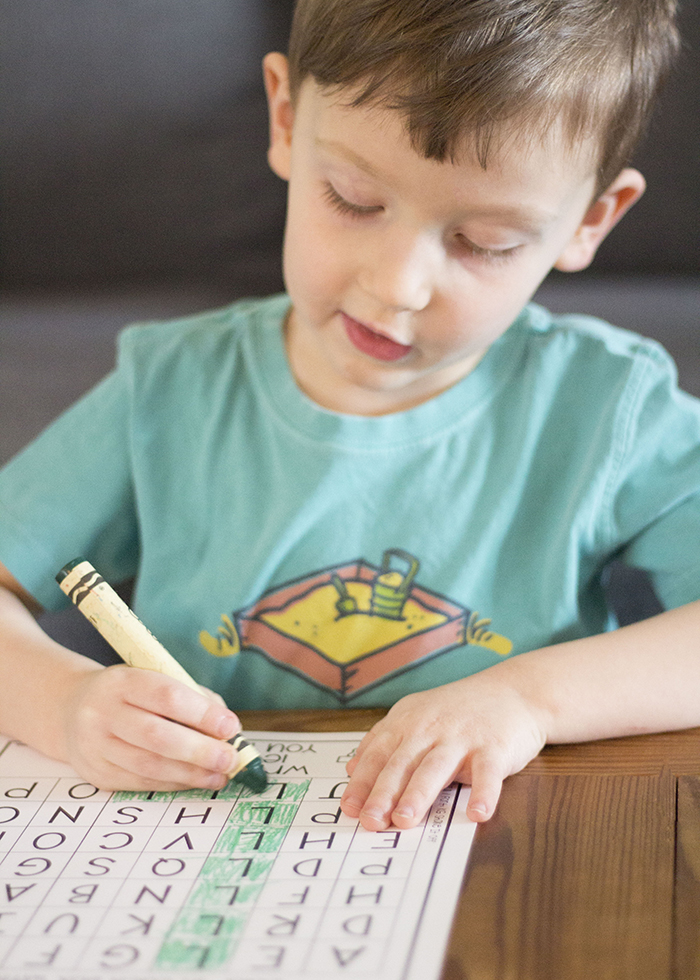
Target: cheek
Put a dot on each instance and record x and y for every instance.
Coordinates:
(506, 293)
(306, 275)
(480, 311)
(312, 257)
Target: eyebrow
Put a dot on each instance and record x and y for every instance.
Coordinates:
(528, 220)
(345, 151)
(531, 222)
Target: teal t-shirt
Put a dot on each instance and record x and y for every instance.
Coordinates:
(293, 557)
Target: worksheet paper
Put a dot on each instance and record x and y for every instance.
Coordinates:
(202, 884)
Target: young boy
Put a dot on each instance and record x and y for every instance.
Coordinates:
(399, 484)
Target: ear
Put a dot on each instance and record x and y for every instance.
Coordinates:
(281, 112)
(601, 218)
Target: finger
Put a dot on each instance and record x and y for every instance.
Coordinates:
(129, 767)
(435, 770)
(367, 767)
(487, 780)
(389, 785)
(212, 695)
(164, 739)
(366, 742)
(162, 695)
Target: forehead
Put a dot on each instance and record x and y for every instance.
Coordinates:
(537, 172)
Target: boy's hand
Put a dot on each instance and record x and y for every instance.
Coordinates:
(137, 729)
(477, 730)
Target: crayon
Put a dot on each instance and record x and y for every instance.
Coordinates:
(138, 647)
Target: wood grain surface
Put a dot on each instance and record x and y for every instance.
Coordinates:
(686, 945)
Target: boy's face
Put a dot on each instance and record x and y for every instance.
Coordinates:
(403, 271)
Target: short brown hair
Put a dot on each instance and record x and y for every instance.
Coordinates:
(458, 67)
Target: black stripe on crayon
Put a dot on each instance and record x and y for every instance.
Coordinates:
(82, 589)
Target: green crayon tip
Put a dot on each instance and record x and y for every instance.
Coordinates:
(67, 569)
(253, 776)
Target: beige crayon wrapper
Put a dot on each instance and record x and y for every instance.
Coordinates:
(120, 627)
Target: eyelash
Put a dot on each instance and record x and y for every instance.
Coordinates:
(344, 207)
(489, 254)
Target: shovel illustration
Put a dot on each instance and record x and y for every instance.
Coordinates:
(345, 605)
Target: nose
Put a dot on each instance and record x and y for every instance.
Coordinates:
(398, 273)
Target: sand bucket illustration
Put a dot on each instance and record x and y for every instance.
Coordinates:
(391, 587)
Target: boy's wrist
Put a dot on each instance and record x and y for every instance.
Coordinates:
(530, 680)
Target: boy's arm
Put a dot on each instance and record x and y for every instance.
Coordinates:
(119, 727)
(640, 678)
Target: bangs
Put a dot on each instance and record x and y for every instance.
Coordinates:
(476, 70)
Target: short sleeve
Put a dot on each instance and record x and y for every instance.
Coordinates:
(656, 497)
(70, 493)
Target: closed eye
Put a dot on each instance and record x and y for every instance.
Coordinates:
(346, 207)
(489, 254)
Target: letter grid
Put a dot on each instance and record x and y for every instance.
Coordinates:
(221, 884)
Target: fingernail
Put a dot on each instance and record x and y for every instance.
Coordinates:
(228, 726)
(373, 814)
(227, 758)
(217, 781)
(351, 802)
(404, 811)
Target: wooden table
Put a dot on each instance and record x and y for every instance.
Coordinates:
(589, 869)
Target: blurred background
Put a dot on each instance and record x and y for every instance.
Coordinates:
(135, 186)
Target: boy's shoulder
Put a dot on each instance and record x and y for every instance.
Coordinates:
(203, 332)
(576, 337)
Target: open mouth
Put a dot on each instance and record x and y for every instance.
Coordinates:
(372, 343)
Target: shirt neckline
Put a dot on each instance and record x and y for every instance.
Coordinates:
(425, 422)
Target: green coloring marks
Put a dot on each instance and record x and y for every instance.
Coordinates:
(207, 930)
(215, 894)
(230, 792)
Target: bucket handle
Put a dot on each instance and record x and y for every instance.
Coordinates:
(410, 560)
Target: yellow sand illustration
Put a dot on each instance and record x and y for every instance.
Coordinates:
(477, 634)
(315, 620)
(227, 643)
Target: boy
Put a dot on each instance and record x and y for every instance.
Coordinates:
(363, 475)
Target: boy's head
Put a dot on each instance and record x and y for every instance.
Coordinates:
(458, 68)
(442, 156)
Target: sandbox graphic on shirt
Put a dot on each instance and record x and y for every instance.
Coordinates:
(352, 626)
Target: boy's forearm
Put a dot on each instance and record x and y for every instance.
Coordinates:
(37, 679)
(639, 678)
